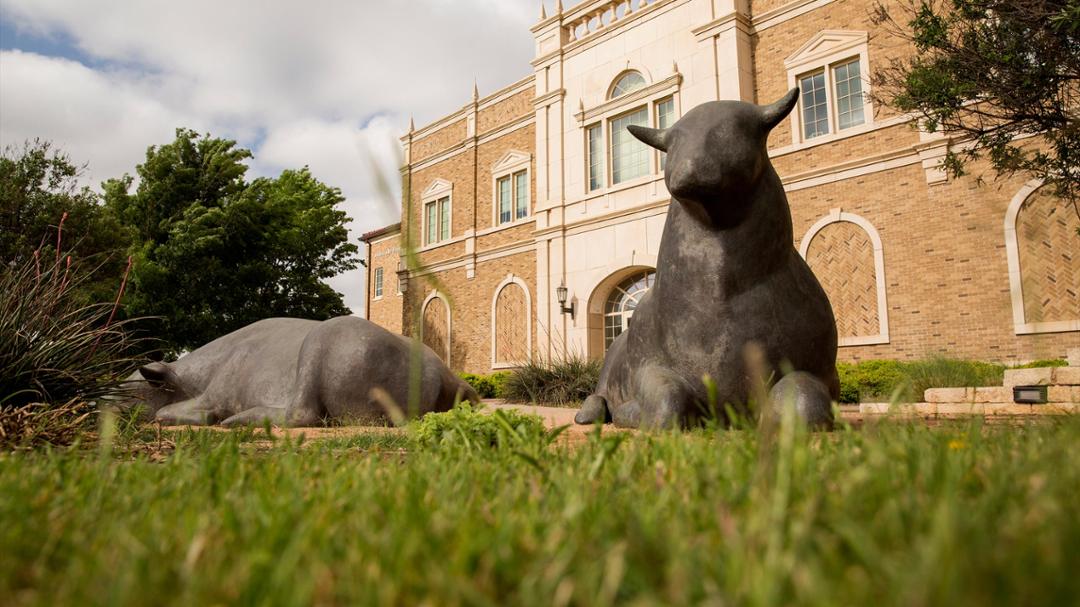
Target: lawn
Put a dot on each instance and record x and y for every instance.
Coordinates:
(888, 514)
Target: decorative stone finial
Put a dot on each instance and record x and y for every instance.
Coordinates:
(558, 7)
(475, 91)
(674, 67)
(580, 105)
(412, 127)
(543, 12)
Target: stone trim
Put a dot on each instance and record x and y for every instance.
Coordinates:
(647, 94)
(510, 279)
(483, 103)
(460, 148)
(1016, 284)
(423, 310)
(836, 216)
(786, 12)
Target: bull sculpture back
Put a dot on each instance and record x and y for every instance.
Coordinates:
(728, 280)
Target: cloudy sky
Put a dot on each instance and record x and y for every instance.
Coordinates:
(325, 83)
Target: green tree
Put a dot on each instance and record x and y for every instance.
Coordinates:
(214, 252)
(993, 73)
(39, 189)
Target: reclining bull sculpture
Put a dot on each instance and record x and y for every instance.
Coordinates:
(727, 276)
(298, 373)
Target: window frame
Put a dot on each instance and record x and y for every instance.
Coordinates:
(514, 163)
(824, 52)
(377, 284)
(438, 191)
(655, 91)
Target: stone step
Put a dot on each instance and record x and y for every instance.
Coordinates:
(961, 409)
(1047, 376)
(989, 394)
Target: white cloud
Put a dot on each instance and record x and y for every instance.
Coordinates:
(328, 84)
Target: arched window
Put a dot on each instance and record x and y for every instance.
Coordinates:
(435, 328)
(845, 253)
(627, 82)
(1043, 250)
(621, 303)
(511, 339)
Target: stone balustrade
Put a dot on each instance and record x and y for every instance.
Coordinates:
(590, 17)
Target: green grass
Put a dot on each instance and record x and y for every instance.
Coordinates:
(892, 514)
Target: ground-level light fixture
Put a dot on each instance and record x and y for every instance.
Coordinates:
(560, 294)
(1031, 395)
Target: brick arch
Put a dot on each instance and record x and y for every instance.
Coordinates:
(845, 252)
(511, 320)
(1043, 251)
(435, 325)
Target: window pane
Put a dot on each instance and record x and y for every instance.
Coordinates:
(431, 222)
(629, 157)
(631, 81)
(849, 98)
(378, 282)
(665, 117)
(504, 200)
(814, 107)
(596, 157)
(444, 218)
(521, 194)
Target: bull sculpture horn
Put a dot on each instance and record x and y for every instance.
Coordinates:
(656, 138)
(773, 113)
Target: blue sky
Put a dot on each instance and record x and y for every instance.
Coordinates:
(326, 83)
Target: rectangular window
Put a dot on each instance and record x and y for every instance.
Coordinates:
(815, 112)
(596, 157)
(378, 282)
(521, 195)
(504, 199)
(665, 117)
(444, 218)
(849, 97)
(629, 157)
(431, 211)
(437, 220)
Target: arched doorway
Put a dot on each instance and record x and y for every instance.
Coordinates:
(613, 303)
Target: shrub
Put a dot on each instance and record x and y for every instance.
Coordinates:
(869, 379)
(1046, 362)
(40, 424)
(564, 380)
(483, 384)
(467, 427)
(55, 351)
(950, 373)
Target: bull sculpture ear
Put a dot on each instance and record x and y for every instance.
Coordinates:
(773, 113)
(158, 374)
(656, 138)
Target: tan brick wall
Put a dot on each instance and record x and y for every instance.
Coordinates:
(773, 45)
(471, 302)
(438, 141)
(505, 111)
(386, 312)
(946, 271)
(889, 139)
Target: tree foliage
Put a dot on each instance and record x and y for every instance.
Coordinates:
(39, 190)
(993, 73)
(214, 252)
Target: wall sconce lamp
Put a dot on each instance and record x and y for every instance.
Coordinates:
(560, 294)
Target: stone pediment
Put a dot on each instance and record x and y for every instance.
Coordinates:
(510, 160)
(437, 187)
(824, 44)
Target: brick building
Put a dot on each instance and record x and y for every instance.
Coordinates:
(539, 186)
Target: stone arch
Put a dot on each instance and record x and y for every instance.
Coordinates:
(511, 323)
(1043, 252)
(844, 250)
(626, 82)
(435, 324)
(598, 301)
